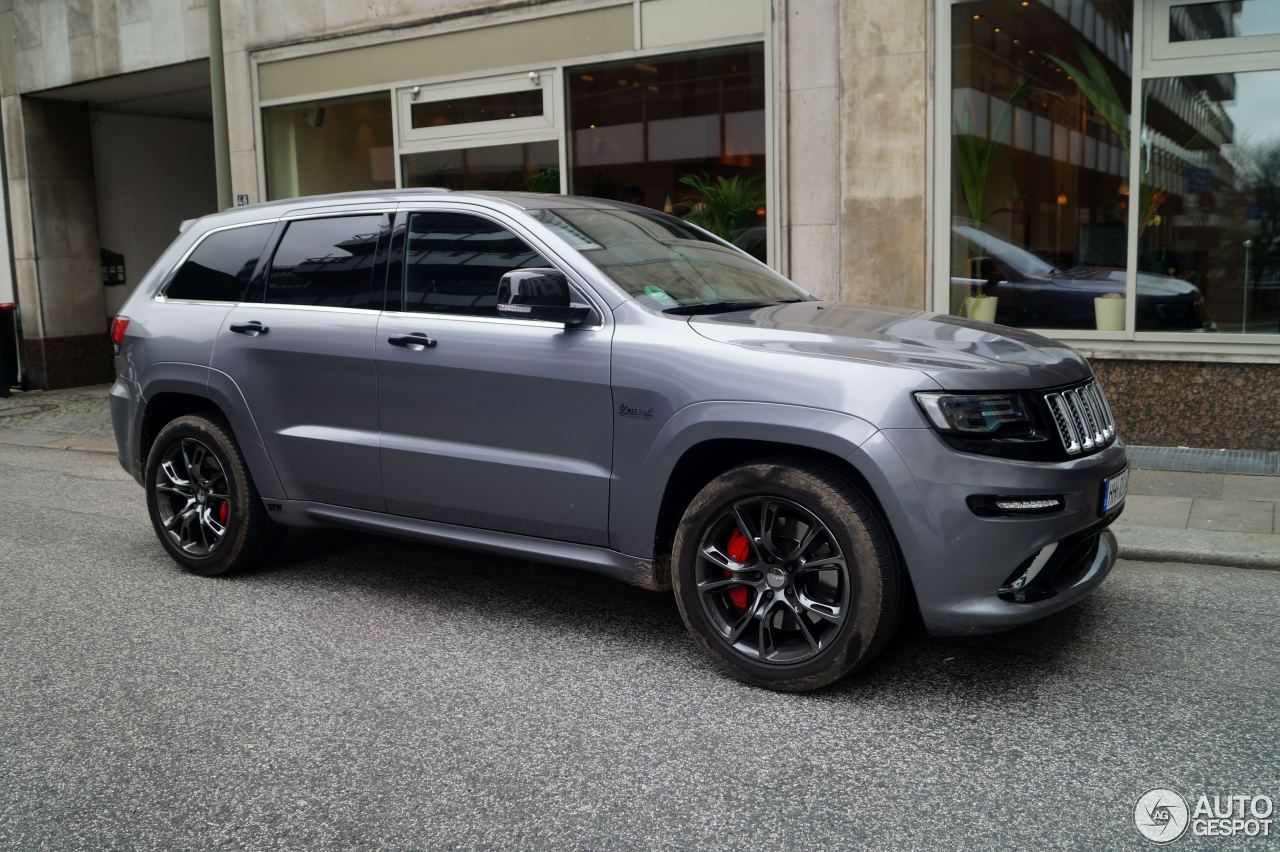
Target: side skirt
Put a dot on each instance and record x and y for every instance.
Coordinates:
(599, 560)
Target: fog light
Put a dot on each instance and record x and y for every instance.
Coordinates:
(1025, 504)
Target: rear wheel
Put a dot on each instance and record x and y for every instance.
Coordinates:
(785, 574)
(202, 501)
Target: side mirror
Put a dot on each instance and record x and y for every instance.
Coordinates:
(539, 294)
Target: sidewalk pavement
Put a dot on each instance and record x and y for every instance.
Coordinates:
(1213, 518)
(1170, 516)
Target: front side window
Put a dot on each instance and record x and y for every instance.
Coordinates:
(220, 267)
(327, 262)
(664, 263)
(455, 261)
(1041, 137)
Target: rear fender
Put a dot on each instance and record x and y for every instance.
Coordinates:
(219, 389)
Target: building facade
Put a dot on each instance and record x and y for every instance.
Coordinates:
(1106, 172)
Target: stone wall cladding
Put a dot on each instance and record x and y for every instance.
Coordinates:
(1189, 404)
(68, 362)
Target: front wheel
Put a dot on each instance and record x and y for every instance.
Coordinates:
(202, 502)
(785, 574)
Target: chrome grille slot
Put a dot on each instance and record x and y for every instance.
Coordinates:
(1083, 418)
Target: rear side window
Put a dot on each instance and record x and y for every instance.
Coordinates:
(220, 267)
(327, 262)
(454, 263)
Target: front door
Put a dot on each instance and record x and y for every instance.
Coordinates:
(301, 353)
(488, 422)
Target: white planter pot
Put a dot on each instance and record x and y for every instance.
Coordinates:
(981, 308)
(1109, 313)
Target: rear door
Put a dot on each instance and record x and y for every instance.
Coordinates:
(300, 350)
(490, 422)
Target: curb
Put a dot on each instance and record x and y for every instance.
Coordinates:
(54, 441)
(1226, 549)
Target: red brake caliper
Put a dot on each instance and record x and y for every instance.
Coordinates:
(224, 510)
(739, 550)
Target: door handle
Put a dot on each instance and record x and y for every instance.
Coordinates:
(416, 341)
(253, 329)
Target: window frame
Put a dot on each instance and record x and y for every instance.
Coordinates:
(1161, 49)
(396, 267)
(1144, 68)
(547, 79)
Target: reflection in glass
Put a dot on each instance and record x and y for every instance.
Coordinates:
(1229, 19)
(455, 261)
(499, 107)
(1211, 169)
(327, 262)
(684, 134)
(663, 262)
(220, 267)
(335, 145)
(527, 167)
(1040, 129)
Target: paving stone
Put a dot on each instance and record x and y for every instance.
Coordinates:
(1251, 487)
(1232, 515)
(1168, 512)
(1173, 482)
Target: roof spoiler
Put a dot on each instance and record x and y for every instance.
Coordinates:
(184, 224)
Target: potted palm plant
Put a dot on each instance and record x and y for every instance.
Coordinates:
(725, 206)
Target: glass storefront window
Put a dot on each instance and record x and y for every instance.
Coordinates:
(480, 108)
(333, 145)
(522, 167)
(1211, 172)
(1040, 141)
(1223, 19)
(683, 133)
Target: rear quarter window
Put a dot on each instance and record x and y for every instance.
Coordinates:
(220, 267)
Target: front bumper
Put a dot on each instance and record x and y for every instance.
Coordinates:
(958, 561)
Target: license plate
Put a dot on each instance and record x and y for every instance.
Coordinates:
(1114, 490)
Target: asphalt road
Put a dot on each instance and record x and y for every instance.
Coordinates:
(371, 693)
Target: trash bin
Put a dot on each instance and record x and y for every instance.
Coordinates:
(8, 347)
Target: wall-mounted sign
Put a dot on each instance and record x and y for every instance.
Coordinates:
(242, 200)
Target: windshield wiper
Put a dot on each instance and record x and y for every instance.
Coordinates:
(723, 306)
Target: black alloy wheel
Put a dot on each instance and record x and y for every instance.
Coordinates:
(202, 501)
(773, 580)
(193, 497)
(786, 574)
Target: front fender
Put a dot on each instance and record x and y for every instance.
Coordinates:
(218, 388)
(640, 478)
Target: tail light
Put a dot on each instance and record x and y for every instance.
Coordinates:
(118, 327)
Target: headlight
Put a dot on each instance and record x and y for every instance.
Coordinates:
(977, 415)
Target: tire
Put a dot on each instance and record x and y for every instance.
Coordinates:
(218, 494)
(851, 612)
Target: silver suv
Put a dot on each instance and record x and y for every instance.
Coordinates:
(608, 387)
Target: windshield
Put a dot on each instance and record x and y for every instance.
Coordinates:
(666, 263)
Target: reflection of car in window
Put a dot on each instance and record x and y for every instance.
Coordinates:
(1034, 293)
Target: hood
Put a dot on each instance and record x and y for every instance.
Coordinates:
(957, 353)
